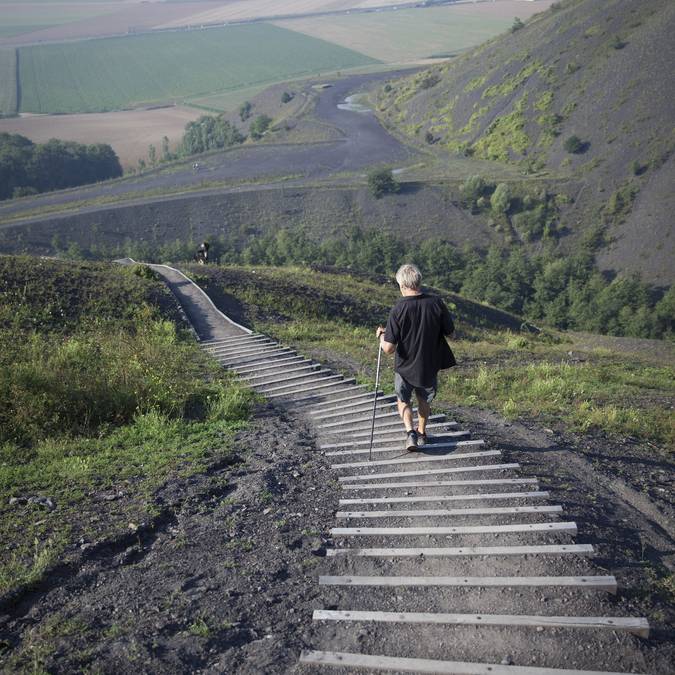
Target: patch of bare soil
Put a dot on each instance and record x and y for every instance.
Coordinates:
(129, 132)
(223, 579)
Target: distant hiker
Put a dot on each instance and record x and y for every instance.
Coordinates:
(195, 166)
(416, 330)
(202, 256)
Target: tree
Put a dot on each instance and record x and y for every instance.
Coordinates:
(259, 126)
(517, 24)
(209, 133)
(382, 182)
(152, 155)
(574, 145)
(287, 97)
(245, 110)
(473, 189)
(166, 151)
(501, 199)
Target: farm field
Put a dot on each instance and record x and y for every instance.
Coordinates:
(52, 21)
(243, 10)
(8, 102)
(419, 33)
(21, 18)
(118, 73)
(130, 132)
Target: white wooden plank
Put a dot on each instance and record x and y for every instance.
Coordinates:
(263, 388)
(433, 513)
(356, 401)
(414, 665)
(257, 358)
(414, 458)
(430, 472)
(442, 483)
(326, 395)
(390, 431)
(245, 351)
(452, 442)
(290, 378)
(271, 365)
(449, 552)
(226, 350)
(636, 625)
(595, 583)
(385, 423)
(481, 496)
(366, 418)
(382, 406)
(314, 388)
(567, 527)
(266, 353)
(272, 361)
(284, 370)
(231, 340)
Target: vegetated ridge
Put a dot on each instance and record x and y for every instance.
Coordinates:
(584, 89)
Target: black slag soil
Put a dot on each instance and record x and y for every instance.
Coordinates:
(226, 581)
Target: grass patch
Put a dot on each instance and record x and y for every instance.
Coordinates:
(99, 393)
(115, 73)
(528, 375)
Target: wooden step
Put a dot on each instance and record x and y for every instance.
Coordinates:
(430, 472)
(452, 442)
(414, 665)
(442, 483)
(594, 583)
(566, 527)
(480, 496)
(635, 625)
(414, 458)
(449, 552)
(439, 513)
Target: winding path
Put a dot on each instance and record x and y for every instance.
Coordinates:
(364, 143)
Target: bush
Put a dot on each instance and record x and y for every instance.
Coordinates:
(473, 189)
(617, 43)
(574, 145)
(517, 25)
(287, 97)
(245, 110)
(501, 199)
(259, 126)
(382, 182)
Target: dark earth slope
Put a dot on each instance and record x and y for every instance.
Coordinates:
(601, 71)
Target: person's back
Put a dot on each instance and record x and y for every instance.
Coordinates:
(416, 330)
(418, 325)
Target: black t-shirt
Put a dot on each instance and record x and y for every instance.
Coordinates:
(418, 325)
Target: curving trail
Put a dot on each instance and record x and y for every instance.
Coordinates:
(364, 143)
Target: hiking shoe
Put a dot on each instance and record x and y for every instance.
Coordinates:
(421, 438)
(411, 441)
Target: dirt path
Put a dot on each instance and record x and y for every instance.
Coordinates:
(228, 577)
(364, 143)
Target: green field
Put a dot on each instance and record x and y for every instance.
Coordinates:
(406, 34)
(116, 73)
(8, 102)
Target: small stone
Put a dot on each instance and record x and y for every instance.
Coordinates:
(507, 661)
(266, 511)
(540, 629)
(133, 527)
(13, 501)
(45, 502)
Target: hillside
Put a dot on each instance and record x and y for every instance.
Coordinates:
(601, 72)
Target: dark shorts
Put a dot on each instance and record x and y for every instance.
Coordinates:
(404, 390)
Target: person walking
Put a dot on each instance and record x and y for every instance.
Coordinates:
(416, 330)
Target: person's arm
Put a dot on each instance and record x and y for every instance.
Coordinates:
(447, 325)
(387, 347)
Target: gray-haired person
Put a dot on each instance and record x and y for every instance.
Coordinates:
(416, 330)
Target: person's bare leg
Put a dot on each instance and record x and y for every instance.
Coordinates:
(405, 411)
(423, 414)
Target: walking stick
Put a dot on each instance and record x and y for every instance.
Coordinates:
(377, 384)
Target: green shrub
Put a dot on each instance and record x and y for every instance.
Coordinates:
(501, 199)
(574, 145)
(259, 126)
(382, 182)
(517, 25)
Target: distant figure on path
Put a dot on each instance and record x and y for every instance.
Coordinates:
(416, 330)
(202, 256)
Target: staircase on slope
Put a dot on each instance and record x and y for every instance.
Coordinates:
(437, 554)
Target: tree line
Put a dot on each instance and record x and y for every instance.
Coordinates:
(567, 292)
(29, 168)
